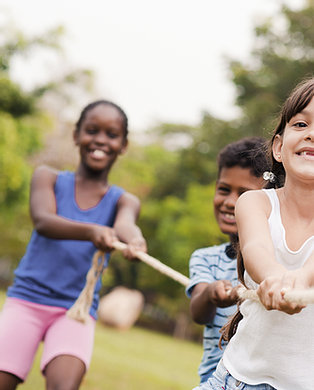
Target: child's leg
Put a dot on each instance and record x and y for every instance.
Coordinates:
(66, 370)
(8, 381)
(20, 335)
(68, 346)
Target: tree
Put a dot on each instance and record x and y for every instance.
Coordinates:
(196, 161)
(283, 56)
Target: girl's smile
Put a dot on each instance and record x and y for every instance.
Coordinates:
(98, 154)
(307, 153)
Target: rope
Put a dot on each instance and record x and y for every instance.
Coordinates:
(302, 297)
(156, 264)
(80, 309)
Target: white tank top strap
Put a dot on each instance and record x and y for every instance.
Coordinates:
(274, 201)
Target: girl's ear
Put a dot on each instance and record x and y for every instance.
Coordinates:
(276, 148)
(75, 137)
(124, 147)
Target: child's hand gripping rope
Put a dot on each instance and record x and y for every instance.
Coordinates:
(301, 297)
(80, 309)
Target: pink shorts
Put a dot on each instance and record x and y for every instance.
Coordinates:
(23, 325)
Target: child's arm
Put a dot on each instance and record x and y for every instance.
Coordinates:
(48, 223)
(252, 211)
(128, 209)
(206, 297)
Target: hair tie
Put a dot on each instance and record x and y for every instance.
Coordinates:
(269, 176)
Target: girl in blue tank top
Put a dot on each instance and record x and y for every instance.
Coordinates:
(74, 214)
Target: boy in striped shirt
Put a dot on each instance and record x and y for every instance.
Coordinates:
(213, 270)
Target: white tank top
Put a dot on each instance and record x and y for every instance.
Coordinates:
(271, 346)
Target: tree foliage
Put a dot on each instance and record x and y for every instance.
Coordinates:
(283, 56)
(196, 162)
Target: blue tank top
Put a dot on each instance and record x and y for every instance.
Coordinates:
(53, 272)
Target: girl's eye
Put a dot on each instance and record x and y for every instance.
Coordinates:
(300, 124)
(91, 130)
(112, 135)
(223, 190)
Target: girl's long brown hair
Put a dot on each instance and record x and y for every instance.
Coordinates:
(296, 102)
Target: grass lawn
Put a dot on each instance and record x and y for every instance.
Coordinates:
(134, 360)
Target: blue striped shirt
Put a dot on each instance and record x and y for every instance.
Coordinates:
(208, 265)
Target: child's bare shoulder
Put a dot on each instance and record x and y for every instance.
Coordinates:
(44, 173)
(128, 197)
(253, 195)
(254, 199)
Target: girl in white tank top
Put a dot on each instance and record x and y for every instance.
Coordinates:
(271, 342)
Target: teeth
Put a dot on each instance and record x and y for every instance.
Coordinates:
(98, 153)
(230, 216)
(307, 153)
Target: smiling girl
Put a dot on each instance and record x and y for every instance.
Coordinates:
(74, 213)
(272, 345)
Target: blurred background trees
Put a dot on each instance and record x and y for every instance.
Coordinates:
(173, 171)
(283, 56)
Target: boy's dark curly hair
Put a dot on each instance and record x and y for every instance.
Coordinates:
(249, 152)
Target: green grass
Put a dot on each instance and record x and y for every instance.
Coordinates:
(133, 360)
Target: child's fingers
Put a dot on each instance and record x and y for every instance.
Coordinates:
(130, 252)
(271, 294)
(233, 293)
(291, 280)
(223, 288)
(138, 244)
(107, 239)
(290, 307)
(265, 292)
(225, 294)
(135, 246)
